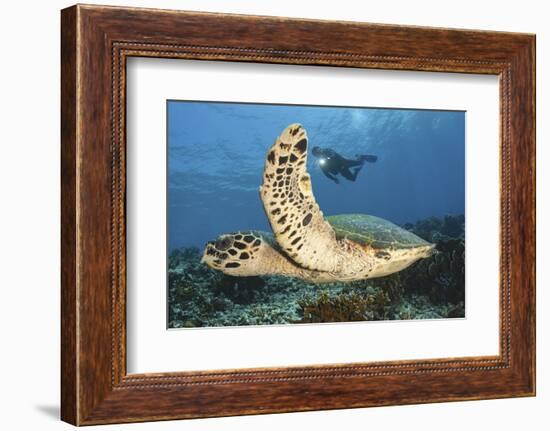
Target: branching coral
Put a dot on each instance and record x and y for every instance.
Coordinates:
(350, 305)
(335, 308)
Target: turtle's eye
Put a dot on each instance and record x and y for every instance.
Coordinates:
(223, 243)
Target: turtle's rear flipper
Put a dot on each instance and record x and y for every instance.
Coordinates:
(297, 222)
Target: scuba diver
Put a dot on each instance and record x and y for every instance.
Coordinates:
(332, 163)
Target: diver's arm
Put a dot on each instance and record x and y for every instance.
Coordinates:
(330, 176)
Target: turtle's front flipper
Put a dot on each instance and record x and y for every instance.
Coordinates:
(296, 220)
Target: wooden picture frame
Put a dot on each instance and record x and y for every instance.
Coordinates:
(95, 43)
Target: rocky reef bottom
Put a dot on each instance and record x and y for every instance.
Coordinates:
(432, 288)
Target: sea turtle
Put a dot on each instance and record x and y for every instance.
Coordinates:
(306, 244)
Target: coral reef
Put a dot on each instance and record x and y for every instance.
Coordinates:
(355, 303)
(430, 289)
(440, 277)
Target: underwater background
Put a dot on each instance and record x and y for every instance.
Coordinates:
(216, 154)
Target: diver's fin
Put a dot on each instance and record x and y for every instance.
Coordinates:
(369, 158)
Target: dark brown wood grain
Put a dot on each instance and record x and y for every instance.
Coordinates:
(68, 216)
(96, 41)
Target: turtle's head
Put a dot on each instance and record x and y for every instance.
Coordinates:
(234, 253)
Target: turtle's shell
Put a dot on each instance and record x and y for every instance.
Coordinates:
(368, 230)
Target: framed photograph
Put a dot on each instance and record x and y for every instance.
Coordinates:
(265, 214)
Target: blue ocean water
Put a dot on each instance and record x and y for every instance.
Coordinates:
(216, 155)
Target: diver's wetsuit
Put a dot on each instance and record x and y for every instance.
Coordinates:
(332, 163)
